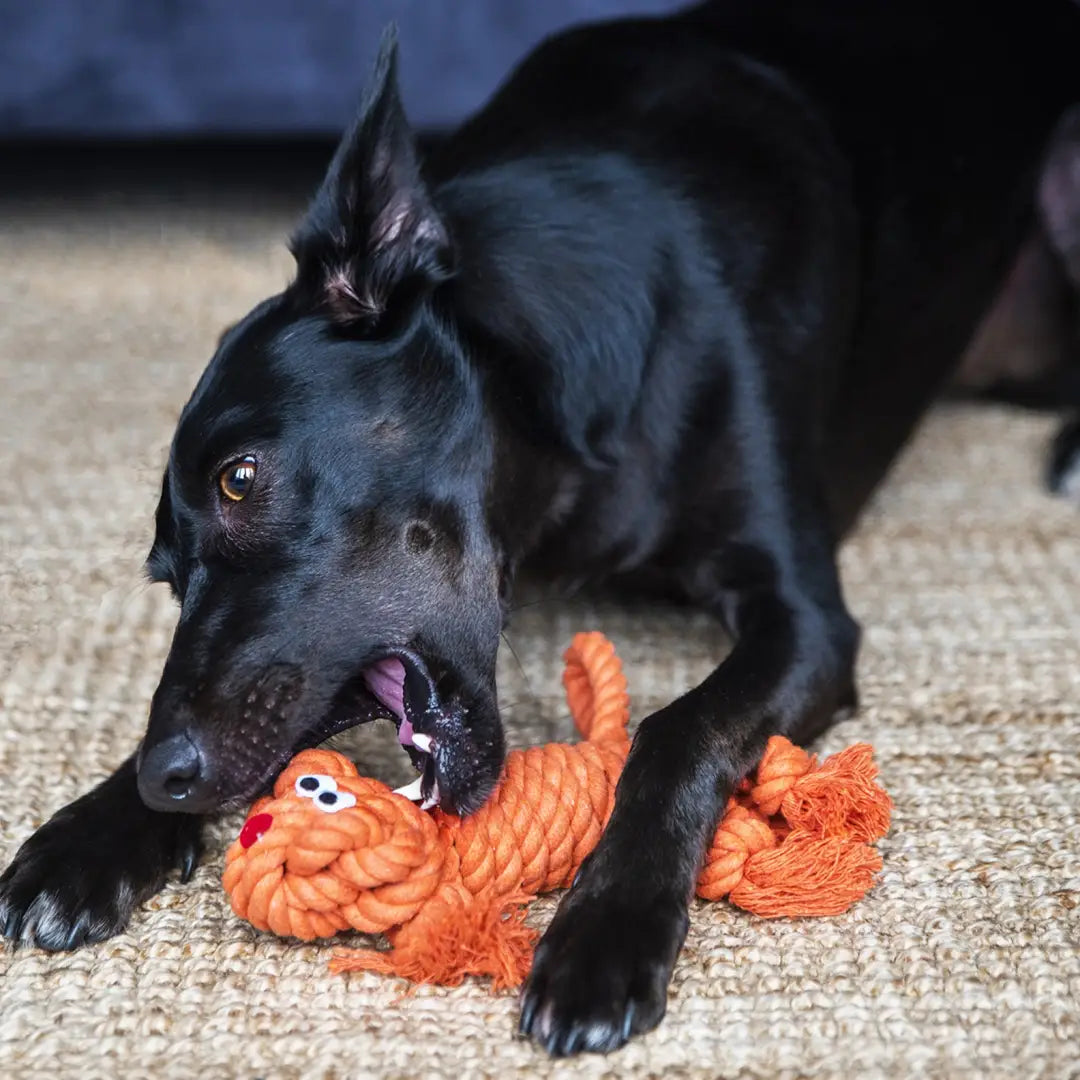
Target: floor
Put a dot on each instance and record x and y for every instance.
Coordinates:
(963, 962)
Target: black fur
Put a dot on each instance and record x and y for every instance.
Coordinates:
(659, 316)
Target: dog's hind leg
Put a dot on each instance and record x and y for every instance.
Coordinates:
(1027, 349)
(1059, 207)
(1022, 353)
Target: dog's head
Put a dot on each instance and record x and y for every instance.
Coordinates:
(323, 517)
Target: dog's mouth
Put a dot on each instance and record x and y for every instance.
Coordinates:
(400, 687)
(403, 686)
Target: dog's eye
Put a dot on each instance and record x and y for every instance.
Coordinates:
(236, 479)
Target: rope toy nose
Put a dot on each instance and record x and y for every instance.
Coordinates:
(332, 850)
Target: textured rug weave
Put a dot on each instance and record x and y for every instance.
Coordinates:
(964, 962)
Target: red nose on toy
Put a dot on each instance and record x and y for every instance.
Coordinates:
(254, 829)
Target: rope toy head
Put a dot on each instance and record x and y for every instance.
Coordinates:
(331, 850)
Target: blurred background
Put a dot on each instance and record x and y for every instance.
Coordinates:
(253, 91)
(257, 67)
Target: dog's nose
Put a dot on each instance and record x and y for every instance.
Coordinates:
(172, 777)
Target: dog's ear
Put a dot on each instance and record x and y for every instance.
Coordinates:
(372, 238)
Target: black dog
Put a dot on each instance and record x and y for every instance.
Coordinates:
(660, 315)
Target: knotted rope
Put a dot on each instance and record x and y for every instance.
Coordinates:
(331, 850)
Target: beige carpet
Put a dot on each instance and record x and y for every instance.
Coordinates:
(964, 962)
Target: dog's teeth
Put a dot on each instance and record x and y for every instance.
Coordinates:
(433, 799)
(422, 742)
(412, 791)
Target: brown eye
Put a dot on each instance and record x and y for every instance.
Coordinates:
(236, 479)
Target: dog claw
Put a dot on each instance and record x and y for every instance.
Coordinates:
(13, 927)
(528, 1012)
(189, 859)
(77, 935)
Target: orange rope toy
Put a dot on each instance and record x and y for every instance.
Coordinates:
(332, 850)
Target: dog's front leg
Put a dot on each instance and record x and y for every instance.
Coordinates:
(602, 969)
(78, 878)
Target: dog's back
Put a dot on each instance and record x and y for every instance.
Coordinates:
(915, 130)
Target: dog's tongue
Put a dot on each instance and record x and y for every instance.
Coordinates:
(386, 680)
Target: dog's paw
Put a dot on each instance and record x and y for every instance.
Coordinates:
(78, 878)
(601, 972)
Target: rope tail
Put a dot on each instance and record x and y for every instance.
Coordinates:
(596, 689)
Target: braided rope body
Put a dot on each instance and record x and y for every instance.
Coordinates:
(794, 840)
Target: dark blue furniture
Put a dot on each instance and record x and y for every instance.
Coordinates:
(145, 68)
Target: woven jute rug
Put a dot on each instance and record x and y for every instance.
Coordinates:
(963, 962)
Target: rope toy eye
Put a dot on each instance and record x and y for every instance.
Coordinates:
(323, 793)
